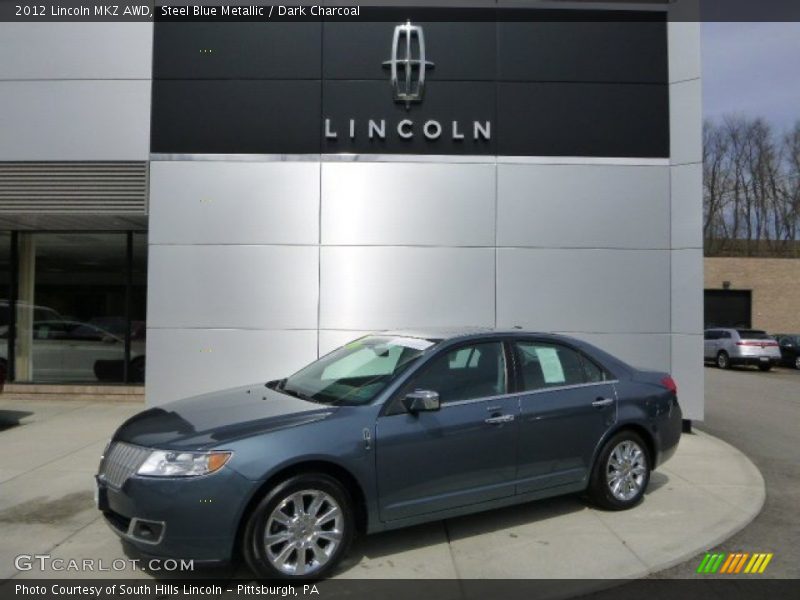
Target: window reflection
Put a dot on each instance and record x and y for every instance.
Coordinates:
(79, 308)
(5, 302)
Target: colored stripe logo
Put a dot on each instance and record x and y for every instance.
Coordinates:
(734, 563)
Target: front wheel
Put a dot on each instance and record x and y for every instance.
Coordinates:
(797, 362)
(301, 529)
(621, 472)
(765, 367)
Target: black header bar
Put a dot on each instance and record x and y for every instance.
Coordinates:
(344, 10)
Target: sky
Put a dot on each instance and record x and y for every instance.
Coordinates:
(752, 69)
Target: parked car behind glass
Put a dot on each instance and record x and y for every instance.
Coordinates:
(789, 344)
(67, 351)
(729, 347)
(388, 431)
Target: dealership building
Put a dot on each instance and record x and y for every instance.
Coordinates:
(204, 204)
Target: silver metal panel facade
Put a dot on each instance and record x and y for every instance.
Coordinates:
(643, 350)
(408, 204)
(546, 206)
(76, 50)
(257, 267)
(605, 249)
(591, 291)
(234, 202)
(687, 298)
(687, 206)
(186, 362)
(686, 107)
(226, 286)
(686, 269)
(75, 120)
(330, 340)
(391, 287)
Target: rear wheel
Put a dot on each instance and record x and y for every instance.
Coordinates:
(301, 529)
(621, 472)
(723, 360)
(797, 362)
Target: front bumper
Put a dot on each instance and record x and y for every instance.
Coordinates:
(191, 517)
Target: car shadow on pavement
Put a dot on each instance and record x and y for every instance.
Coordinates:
(387, 544)
(12, 418)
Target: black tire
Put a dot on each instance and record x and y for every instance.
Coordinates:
(765, 368)
(136, 370)
(255, 551)
(797, 362)
(600, 488)
(723, 360)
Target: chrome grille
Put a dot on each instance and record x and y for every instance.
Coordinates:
(120, 461)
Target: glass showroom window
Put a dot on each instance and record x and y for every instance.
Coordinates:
(75, 297)
(5, 302)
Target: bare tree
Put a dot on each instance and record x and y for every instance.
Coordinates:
(751, 188)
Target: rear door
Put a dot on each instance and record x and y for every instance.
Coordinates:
(569, 403)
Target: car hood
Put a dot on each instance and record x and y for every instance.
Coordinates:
(213, 419)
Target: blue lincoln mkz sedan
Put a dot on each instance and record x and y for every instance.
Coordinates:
(390, 430)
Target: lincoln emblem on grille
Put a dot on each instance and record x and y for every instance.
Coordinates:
(408, 63)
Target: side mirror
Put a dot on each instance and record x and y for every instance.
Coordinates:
(422, 401)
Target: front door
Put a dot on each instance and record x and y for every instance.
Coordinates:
(462, 454)
(569, 404)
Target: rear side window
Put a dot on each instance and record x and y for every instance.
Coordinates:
(712, 335)
(594, 374)
(752, 334)
(544, 365)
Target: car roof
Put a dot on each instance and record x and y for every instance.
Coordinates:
(446, 334)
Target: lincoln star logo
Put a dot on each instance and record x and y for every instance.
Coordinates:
(408, 63)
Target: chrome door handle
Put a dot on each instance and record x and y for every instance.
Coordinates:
(601, 402)
(499, 420)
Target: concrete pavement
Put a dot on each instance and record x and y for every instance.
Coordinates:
(760, 414)
(707, 492)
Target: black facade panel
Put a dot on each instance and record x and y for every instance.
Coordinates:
(237, 117)
(633, 52)
(444, 102)
(459, 51)
(583, 119)
(271, 50)
(548, 88)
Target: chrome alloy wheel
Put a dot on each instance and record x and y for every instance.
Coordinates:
(303, 532)
(626, 470)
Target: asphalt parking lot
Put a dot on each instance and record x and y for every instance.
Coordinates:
(759, 413)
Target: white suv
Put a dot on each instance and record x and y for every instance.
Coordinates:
(728, 347)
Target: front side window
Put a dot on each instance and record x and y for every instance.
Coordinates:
(544, 365)
(470, 372)
(356, 373)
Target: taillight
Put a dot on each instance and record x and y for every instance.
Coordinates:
(669, 383)
(758, 344)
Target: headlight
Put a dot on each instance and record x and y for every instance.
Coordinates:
(167, 463)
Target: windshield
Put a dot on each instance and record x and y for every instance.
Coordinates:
(356, 373)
